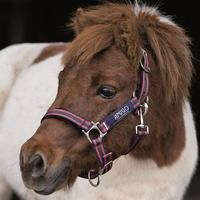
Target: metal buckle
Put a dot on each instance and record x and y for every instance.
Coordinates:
(141, 129)
(94, 127)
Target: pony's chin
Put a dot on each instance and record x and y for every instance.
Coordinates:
(44, 192)
(51, 188)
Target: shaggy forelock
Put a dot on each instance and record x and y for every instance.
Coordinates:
(90, 42)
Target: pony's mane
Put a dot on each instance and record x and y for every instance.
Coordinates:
(130, 28)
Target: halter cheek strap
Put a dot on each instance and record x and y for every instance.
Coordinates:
(136, 105)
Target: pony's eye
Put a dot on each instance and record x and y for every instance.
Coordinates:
(107, 92)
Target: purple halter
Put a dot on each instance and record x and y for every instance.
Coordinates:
(137, 105)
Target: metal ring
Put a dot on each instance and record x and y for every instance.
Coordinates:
(91, 180)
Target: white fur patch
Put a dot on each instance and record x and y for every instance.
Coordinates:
(14, 59)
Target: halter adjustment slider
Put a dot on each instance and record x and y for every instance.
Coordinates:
(101, 171)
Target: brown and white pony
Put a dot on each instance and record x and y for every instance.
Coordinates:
(99, 73)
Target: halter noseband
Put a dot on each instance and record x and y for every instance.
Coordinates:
(137, 105)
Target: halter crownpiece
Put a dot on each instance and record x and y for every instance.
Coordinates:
(138, 105)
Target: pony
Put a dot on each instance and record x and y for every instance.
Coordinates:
(123, 59)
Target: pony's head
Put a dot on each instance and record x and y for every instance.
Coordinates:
(100, 74)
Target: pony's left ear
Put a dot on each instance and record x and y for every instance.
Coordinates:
(83, 18)
(170, 49)
(78, 21)
(101, 14)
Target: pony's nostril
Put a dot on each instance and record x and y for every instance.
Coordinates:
(37, 165)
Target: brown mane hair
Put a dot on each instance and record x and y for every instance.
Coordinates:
(131, 28)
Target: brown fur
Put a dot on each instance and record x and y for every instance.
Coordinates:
(107, 50)
(51, 50)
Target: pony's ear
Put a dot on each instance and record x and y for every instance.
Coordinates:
(108, 13)
(78, 21)
(169, 47)
(84, 18)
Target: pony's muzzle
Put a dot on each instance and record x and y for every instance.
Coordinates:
(40, 172)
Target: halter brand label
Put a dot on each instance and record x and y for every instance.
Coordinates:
(121, 113)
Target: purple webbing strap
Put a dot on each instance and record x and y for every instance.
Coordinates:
(106, 124)
(143, 87)
(119, 114)
(68, 116)
(130, 106)
(104, 158)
